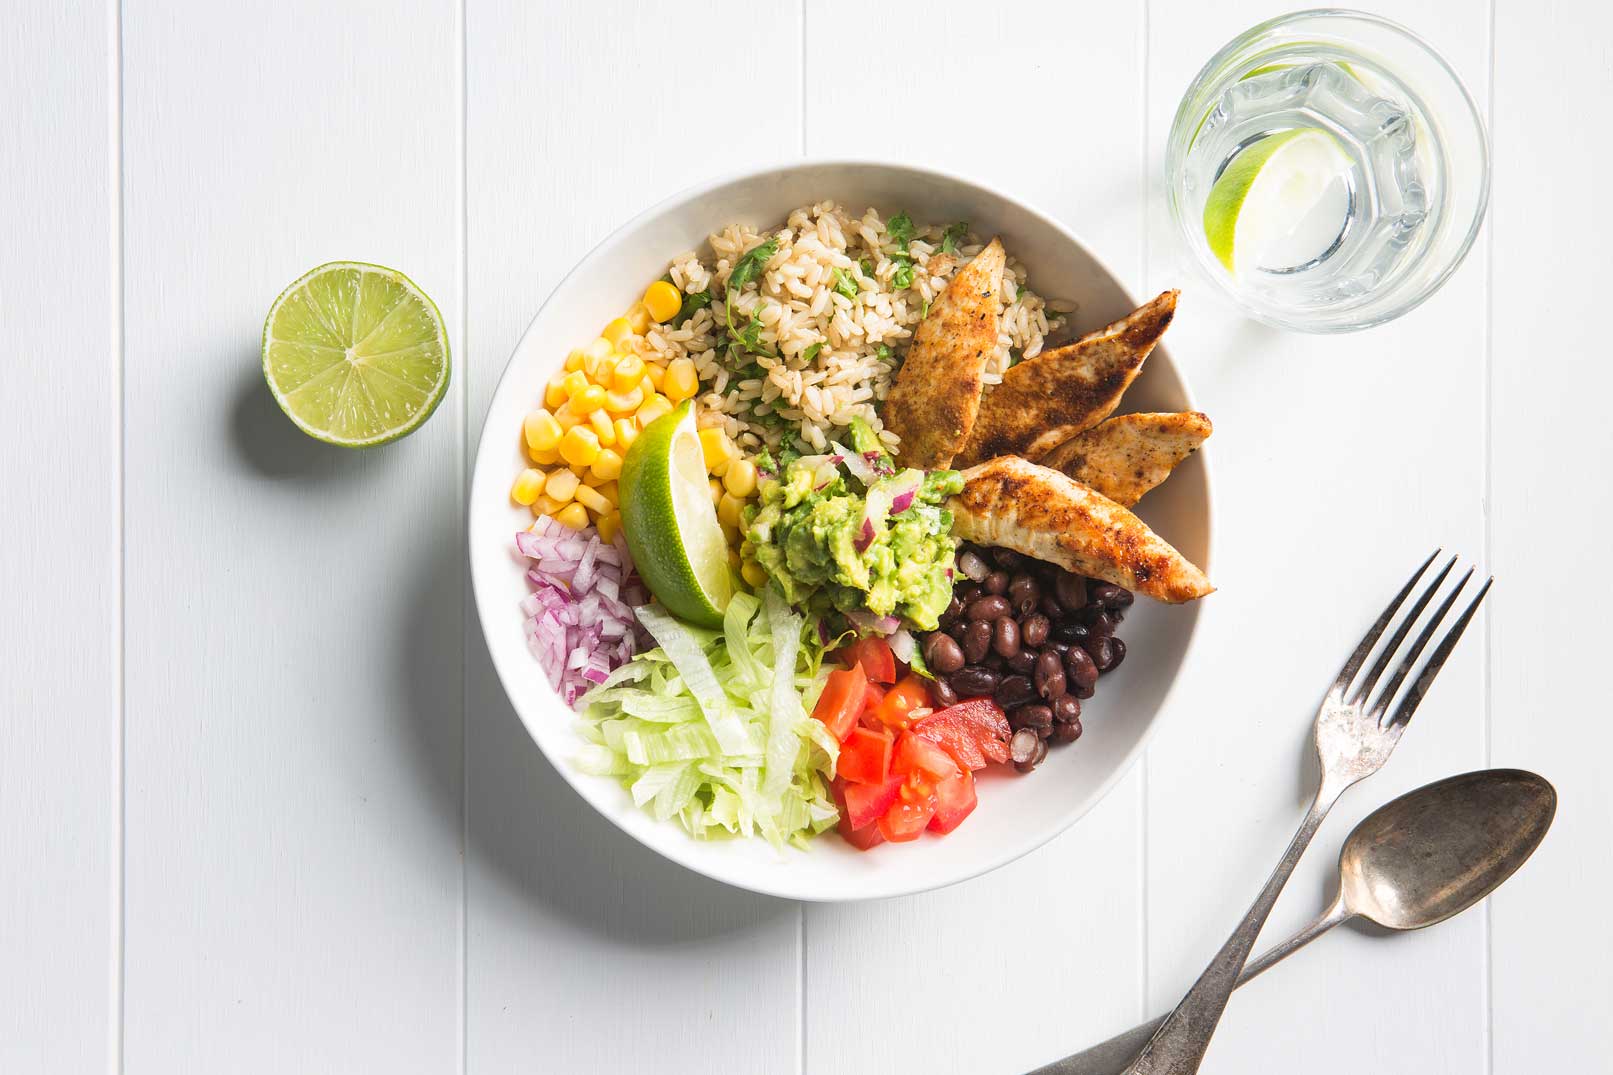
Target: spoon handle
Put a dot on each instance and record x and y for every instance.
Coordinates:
(1178, 1047)
(1111, 1057)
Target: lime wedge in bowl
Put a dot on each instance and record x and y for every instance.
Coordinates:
(355, 354)
(670, 523)
(1283, 201)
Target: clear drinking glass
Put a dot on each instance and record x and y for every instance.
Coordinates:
(1328, 169)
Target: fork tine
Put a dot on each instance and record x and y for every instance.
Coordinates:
(1436, 660)
(1361, 692)
(1358, 658)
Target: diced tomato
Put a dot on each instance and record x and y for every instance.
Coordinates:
(862, 839)
(865, 756)
(911, 693)
(916, 755)
(875, 655)
(842, 700)
(910, 813)
(954, 801)
(866, 803)
(973, 732)
(873, 694)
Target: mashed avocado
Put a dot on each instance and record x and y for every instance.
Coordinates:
(835, 544)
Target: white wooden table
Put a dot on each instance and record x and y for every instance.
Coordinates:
(263, 807)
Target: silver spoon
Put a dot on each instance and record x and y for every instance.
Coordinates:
(1411, 863)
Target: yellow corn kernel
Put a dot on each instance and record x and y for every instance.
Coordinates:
(626, 433)
(574, 361)
(546, 505)
(598, 368)
(565, 417)
(638, 317)
(717, 448)
(741, 478)
(754, 574)
(528, 484)
(575, 382)
(653, 408)
(609, 492)
(579, 447)
(573, 515)
(733, 559)
(728, 509)
(716, 492)
(681, 381)
(607, 466)
(589, 480)
(600, 348)
(624, 402)
(719, 470)
(663, 300)
(603, 428)
(627, 373)
(588, 399)
(656, 373)
(591, 499)
(561, 486)
(541, 430)
(609, 525)
(554, 393)
(731, 534)
(617, 331)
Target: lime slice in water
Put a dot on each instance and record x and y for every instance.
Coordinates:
(671, 526)
(1281, 203)
(355, 354)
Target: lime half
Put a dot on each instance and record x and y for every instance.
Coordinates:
(671, 525)
(355, 354)
(1281, 203)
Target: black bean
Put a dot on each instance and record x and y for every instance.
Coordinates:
(994, 662)
(1119, 645)
(956, 628)
(1109, 595)
(942, 653)
(996, 583)
(987, 607)
(1067, 710)
(953, 613)
(1070, 632)
(973, 566)
(1024, 594)
(1023, 662)
(1067, 733)
(1034, 629)
(941, 690)
(972, 681)
(966, 591)
(1050, 607)
(1100, 625)
(1014, 691)
(1022, 747)
(1038, 753)
(1005, 637)
(1035, 716)
(976, 640)
(1102, 651)
(1072, 592)
(1049, 677)
(1081, 692)
(1081, 671)
(1008, 559)
(1060, 646)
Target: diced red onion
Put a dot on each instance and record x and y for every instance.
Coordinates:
(578, 619)
(902, 645)
(867, 621)
(865, 536)
(860, 468)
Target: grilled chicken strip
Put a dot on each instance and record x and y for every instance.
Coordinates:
(1016, 504)
(1046, 400)
(932, 405)
(1126, 456)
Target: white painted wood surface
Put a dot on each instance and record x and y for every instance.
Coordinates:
(262, 804)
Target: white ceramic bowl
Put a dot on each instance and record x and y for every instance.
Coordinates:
(1016, 813)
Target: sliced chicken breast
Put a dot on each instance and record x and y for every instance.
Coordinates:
(932, 405)
(1126, 456)
(1015, 504)
(1046, 400)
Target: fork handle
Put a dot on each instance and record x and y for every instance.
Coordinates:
(1178, 1047)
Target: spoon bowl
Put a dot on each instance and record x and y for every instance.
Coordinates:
(1436, 851)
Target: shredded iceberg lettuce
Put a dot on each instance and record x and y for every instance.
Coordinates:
(714, 728)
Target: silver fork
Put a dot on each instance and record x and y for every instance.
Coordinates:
(1354, 737)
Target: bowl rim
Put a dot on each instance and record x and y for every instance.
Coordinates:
(764, 882)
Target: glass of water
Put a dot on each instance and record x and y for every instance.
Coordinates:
(1329, 170)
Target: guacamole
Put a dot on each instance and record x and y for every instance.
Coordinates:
(878, 545)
